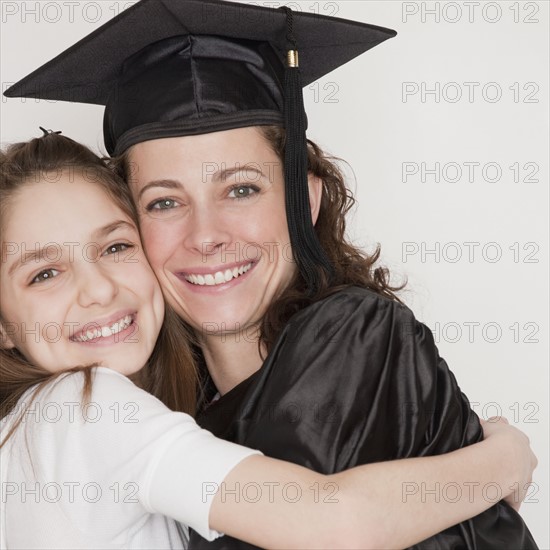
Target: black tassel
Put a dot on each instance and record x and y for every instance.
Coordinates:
(308, 253)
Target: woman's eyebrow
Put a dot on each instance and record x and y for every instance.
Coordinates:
(222, 175)
(166, 184)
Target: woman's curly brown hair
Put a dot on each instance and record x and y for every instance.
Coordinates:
(352, 266)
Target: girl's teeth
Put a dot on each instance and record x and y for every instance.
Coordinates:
(219, 277)
(105, 332)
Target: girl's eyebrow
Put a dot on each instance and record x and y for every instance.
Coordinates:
(106, 230)
(34, 256)
(44, 253)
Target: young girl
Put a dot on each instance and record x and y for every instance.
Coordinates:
(93, 456)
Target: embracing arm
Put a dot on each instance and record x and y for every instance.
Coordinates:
(377, 505)
(177, 468)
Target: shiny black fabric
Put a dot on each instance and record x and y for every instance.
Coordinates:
(355, 379)
(167, 68)
(188, 85)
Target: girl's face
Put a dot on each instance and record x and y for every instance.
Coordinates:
(75, 286)
(213, 221)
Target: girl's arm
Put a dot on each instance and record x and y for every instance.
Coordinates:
(386, 505)
(163, 463)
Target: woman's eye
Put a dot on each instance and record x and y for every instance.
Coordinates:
(117, 248)
(163, 204)
(243, 191)
(45, 275)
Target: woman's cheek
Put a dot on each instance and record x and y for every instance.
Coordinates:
(154, 241)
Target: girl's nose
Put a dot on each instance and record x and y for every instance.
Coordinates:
(96, 286)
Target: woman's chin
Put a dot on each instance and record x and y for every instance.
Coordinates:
(223, 323)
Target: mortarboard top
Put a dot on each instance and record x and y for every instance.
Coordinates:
(167, 68)
(90, 71)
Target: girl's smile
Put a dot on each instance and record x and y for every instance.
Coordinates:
(119, 327)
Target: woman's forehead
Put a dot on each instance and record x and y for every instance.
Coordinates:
(228, 149)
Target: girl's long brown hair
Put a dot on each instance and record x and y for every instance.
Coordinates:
(170, 373)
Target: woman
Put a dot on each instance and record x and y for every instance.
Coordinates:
(352, 378)
(362, 362)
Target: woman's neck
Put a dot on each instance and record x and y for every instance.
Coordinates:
(231, 358)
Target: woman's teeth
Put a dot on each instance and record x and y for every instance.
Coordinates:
(105, 332)
(218, 278)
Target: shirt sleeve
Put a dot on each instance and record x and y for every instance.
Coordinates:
(126, 455)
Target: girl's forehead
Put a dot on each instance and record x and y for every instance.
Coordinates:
(59, 202)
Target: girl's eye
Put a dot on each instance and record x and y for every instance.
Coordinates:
(117, 248)
(45, 275)
(162, 204)
(243, 191)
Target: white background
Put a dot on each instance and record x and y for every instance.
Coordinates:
(361, 113)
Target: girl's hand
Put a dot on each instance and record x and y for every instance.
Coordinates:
(519, 451)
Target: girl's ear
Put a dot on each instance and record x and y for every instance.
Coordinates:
(5, 341)
(315, 185)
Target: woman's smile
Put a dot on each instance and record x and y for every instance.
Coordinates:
(219, 278)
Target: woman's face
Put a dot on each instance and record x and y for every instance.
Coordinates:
(75, 286)
(213, 222)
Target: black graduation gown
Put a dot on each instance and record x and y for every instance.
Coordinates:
(355, 379)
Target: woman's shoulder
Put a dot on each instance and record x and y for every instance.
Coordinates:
(348, 340)
(354, 304)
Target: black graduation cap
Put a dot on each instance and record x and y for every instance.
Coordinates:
(166, 68)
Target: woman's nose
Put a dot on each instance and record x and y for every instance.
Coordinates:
(206, 232)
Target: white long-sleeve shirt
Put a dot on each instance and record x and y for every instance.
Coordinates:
(117, 473)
